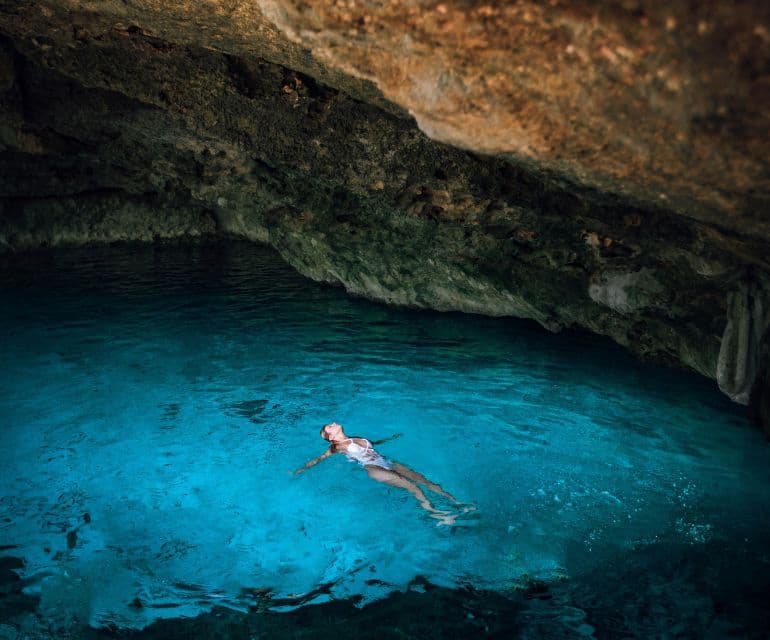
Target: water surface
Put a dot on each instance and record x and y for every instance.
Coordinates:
(154, 401)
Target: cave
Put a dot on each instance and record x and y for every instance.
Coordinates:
(521, 248)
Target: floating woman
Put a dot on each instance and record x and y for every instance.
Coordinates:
(383, 470)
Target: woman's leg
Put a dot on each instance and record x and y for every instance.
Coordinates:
(406, 472)
(386, 476)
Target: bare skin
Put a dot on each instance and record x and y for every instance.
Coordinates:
(398, 475)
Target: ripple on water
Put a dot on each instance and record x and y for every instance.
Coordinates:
(168, 393)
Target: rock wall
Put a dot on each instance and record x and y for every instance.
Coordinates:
(655, 99)
(759, 400)
(147, 120)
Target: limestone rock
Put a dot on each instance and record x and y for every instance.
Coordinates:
(625, 292)
(748, 318)
(656, 100)
(623, 187)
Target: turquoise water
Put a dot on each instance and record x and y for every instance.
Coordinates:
(154, 401)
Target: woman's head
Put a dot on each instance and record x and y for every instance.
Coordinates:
(332, 431)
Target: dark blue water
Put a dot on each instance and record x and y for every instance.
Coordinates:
(154, 401)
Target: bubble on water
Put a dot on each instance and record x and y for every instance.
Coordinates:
(694, 533)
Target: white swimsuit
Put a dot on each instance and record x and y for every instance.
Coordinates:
(366, 456)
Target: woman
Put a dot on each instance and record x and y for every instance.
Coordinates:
(381, 469)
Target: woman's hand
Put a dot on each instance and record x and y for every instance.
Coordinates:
(388, 439)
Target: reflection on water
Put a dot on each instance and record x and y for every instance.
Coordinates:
(155, 400)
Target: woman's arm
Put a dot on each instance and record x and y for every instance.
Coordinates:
(388, 439)
(315, 461)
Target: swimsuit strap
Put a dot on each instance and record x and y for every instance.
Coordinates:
(353, 441)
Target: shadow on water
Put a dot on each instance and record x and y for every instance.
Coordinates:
(682, 592)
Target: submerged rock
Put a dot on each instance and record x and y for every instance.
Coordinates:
(13, 600)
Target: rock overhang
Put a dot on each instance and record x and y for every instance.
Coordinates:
(621, 184)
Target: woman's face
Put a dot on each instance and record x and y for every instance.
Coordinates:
(332, 431)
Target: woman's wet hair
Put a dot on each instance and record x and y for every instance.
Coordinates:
(327, 425)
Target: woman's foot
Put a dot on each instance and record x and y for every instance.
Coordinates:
(444, 519)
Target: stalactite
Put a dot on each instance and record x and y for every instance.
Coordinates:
(748, 319)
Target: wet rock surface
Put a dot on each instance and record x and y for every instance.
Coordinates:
(147, 121)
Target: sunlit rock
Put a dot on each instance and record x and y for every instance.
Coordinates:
(657, 100)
